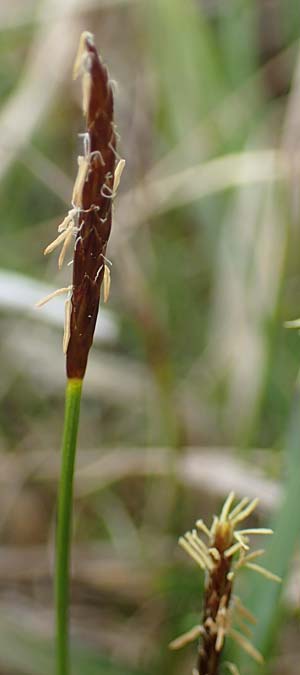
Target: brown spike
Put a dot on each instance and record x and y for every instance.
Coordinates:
(92, 197)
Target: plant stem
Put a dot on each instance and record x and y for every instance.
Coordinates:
(63, 538)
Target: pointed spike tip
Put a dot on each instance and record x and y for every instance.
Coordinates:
(86, 37)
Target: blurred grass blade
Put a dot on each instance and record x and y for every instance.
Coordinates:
(21, 651)
(185, 68)
(263, 596)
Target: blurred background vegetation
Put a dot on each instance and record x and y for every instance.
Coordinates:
(191, 387)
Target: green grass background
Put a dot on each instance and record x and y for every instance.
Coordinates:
(206, 269)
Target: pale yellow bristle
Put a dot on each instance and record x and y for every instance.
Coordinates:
(81, 52)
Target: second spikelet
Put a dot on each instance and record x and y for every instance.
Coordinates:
(226, 550)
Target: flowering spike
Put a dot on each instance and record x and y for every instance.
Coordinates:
(89, 219)
(96, 171)
(225, 554)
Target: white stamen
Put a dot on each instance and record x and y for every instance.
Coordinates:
(246, 512)
(232, 668)
(246, 645)
(193, 538)
(106, 192)
(233, 549)
(220, 638)
(83, 169)
(214, 526)
(214, 553)
(186, 638)
(186, 546)
(262, 570)
(118, 173)
(226, 507)
(243, 611)
(67, 327)
(59, 291)
(243, 627)
(198, 549)
(238, 508)
(241, 541)
(54, 244)
(201, 526)
(106, 260)
(68, 219)
(114, 151)
(106, 283)
(255, 530)
(98, 273)
(253, 555)
(68, 239)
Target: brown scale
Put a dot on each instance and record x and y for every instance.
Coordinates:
(218, 590)
(93, 197)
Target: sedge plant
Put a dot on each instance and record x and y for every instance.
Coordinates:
(87, 227)
(224, 550)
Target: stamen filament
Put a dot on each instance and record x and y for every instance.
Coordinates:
(191, 552)
(201, 526)
(54, 244)
(255, 530)
(186, 638)
(246, 645)
(238, 508)
(246, 512)
(233, 549)
(264, 572)
(226, 507)
(59, 291)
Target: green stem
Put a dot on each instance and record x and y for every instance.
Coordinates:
(63, 537)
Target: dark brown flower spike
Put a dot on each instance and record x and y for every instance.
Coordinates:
(226, 551)
(89, 220)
